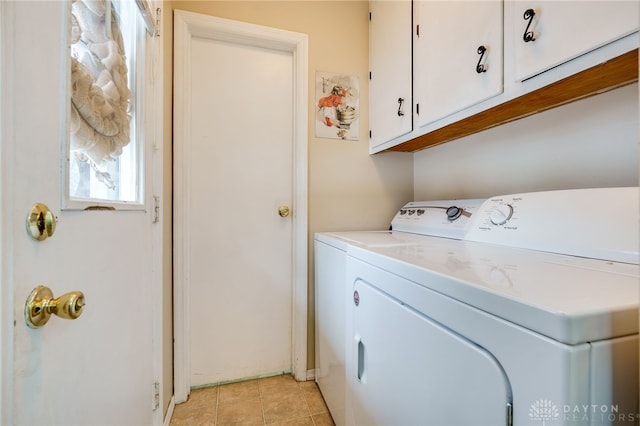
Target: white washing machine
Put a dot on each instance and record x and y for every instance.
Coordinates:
(531, 318)
(450, 218)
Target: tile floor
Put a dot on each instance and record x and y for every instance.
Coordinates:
(278, 400)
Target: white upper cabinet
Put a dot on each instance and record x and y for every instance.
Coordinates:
(553, 32)
(458, 55)
(390, 86)
(474, 64)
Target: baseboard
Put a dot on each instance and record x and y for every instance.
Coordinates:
(170, 408)
(311, 374)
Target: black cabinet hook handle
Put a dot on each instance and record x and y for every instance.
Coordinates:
(528, 35)
(400, 102)
(480, 68)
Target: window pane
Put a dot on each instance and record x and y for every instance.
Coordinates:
(104, 152)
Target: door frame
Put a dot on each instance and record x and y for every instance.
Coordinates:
(188, 25)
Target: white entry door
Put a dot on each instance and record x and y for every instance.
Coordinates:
(98, 368)
(236, 202)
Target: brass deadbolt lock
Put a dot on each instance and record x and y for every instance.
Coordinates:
(41, 222)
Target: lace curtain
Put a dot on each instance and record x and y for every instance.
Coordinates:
(100, 119)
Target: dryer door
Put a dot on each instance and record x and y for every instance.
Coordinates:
(410, 370)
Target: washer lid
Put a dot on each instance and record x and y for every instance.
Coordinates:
(368, 238)
(569, 299)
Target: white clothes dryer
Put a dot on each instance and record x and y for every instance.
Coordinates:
(530, 318)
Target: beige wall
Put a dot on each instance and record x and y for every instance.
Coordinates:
(590, 143)
(348, 189)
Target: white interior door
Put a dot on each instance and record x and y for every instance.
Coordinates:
(98, 368)
(241, 265)
(240, 172)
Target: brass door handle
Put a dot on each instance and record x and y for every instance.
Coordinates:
(41, 304)
(283, 211)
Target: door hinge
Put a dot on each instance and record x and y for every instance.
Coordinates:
(158, 20)
(369, 15)
(418, 30)
(156, 396)
(509, 414)
(369, 75)
(156, 209)
(417, 109)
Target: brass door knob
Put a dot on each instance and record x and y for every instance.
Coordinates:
(283, 211)
(41, 304)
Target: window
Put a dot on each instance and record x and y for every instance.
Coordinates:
(105, 149)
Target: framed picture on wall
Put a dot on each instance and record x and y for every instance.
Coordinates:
(337, 106)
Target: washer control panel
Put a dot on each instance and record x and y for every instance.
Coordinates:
(575, 222)
(441, 218)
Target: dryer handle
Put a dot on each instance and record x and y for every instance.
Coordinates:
(360, 360)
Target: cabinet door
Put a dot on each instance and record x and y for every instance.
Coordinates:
(449, 72)
(409, 370)
(563, 30)
(390, 104)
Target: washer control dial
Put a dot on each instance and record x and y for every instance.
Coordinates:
(501, 214)
(454, 212)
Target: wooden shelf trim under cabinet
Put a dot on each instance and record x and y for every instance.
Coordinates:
(615, 73)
